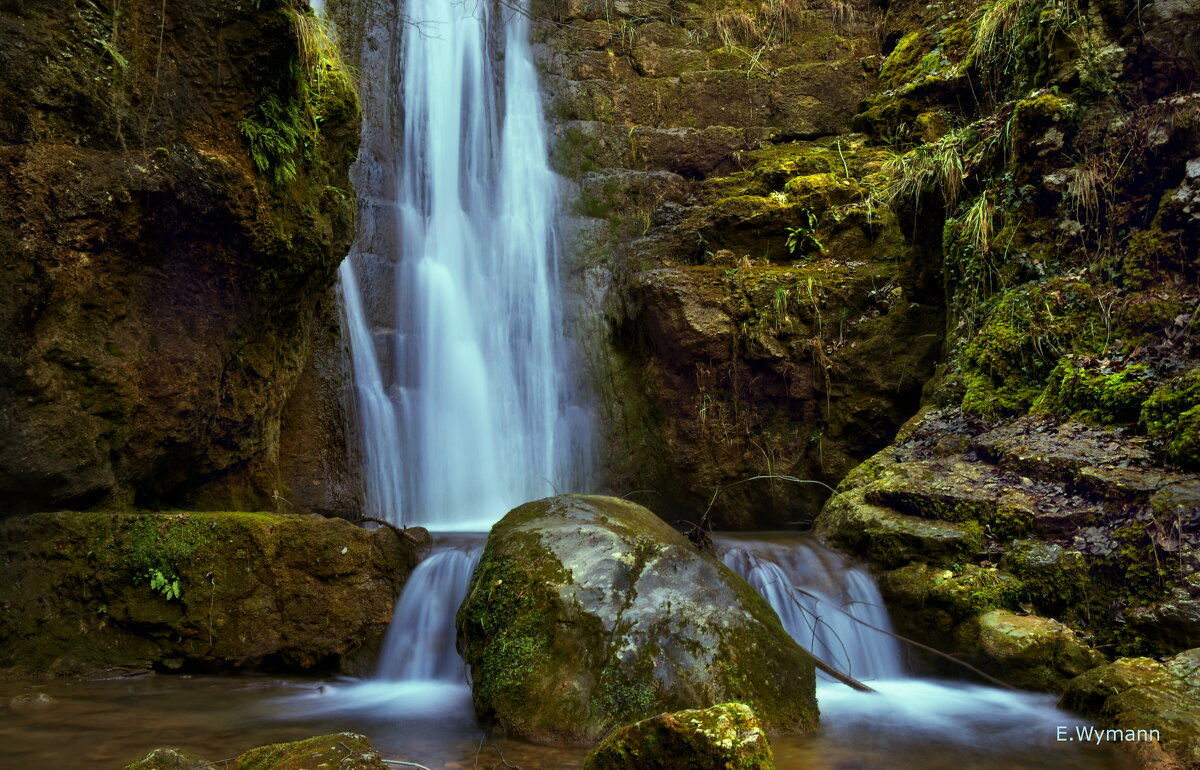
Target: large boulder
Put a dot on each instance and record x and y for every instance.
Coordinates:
(83, 591)
(590, 612)
(727, 735)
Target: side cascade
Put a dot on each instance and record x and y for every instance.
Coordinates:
(465, 396)
(822, 616)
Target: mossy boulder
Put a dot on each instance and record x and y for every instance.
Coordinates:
(589, 612)
(345, 751)
(1031, 651)
(194, 591)
(1145, 694)
(726, 736)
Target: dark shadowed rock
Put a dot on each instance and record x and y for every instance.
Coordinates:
(82, 591)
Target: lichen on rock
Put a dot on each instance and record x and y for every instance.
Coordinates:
(726, 736)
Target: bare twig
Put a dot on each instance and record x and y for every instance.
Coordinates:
(502, 759)
(403, 763)
(914, 643)
(792, 479)
(845, 679)
(402, 532)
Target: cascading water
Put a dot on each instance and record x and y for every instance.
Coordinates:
(967, 722)
(463, 384)
(420, 642)
(821, 617)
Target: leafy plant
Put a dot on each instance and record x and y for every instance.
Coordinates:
(803, 237)
(284, 129)
(167, 585)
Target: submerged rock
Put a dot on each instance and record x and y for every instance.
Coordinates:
(345, 751)
(725, 736)
(32, 700)
(170, 759)
(590, 612)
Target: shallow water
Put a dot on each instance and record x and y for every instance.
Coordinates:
(915, 724)
(910, 724)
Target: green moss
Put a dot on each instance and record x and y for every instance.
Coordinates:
(340, 750)
(1033, 116)
(1171, 417)
(1084, 388)
(904, 62)
(1055, 580)
(1006, 365)
(575, 153)
(284, 129)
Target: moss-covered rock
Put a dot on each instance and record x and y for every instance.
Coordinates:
(83, 591)
(727, 736)
(888, 538)
(588, 612)
(157, 291)
(1141, 694)
(1032, 651)
(169, 759)
(345, 751)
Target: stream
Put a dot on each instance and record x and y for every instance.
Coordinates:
(418, 705)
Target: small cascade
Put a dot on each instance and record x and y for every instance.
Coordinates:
(420, 642)
(821, 617)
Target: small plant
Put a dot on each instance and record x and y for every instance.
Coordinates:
(167, 585)
(803, 237)
(284, 129)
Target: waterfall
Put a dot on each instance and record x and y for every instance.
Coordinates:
(463, 383)
(821, 617)
(420, 642)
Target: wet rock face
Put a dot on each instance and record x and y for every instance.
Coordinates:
(1058, 519)
(727, 736)
(761, 313)
(589, 612)
(199, 591)
(157, 294)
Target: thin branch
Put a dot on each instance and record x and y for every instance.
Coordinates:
(402, 762)
(502, 759)
(792, 479)
(402, 532)
(838, 675)
(914, 643)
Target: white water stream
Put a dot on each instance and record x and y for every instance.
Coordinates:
(463, 382)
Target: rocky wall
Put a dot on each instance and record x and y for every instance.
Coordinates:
(749, 307)
(174, 206)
